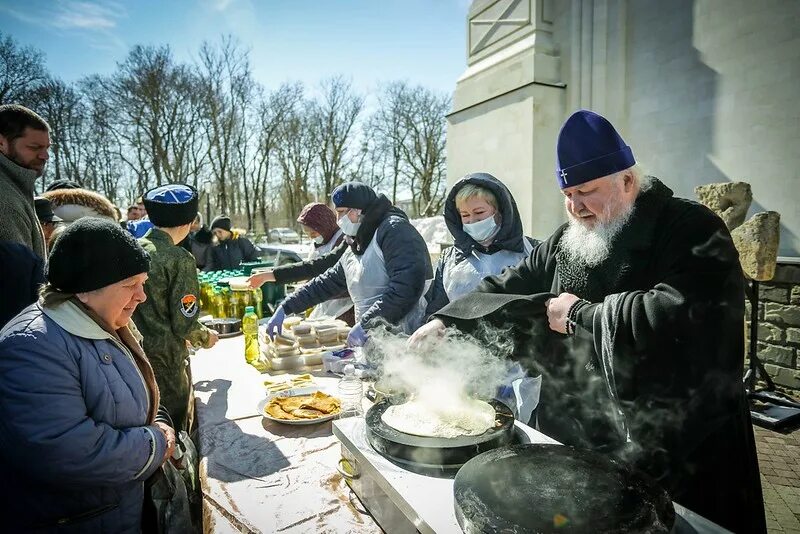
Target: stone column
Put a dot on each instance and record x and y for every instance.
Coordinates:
(508, 106)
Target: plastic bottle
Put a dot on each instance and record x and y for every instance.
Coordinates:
(250, 330)
(350, 393)
(258, 302)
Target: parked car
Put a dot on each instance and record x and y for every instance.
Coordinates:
(279, 256)
(283, 235)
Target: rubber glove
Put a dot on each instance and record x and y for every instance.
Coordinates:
(357, 336)
(275, 324)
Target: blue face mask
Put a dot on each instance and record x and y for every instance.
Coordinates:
(319, 240)
(481, 230)
(348, 227)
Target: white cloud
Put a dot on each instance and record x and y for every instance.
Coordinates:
(84, 15)
(221, 5)
(95, 21)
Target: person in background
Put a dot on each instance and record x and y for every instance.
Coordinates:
(168, 318)
(24, 145)
(482, 216)
(134, 213)
(231, 249)
(319, 223)
(24, 151)
(21, 275)
(48, 219)
(385, 269)
(632, 312)
(199, 242)
(80, 424)
(72, 204)
(62, 184)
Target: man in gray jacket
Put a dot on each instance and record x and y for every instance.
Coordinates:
(24, 144)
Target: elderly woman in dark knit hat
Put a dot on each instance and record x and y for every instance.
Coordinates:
(231, 249)
(80, 429)
(319, 223)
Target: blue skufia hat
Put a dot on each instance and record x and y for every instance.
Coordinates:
(171, 205)
(589, 148)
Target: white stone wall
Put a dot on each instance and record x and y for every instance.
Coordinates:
(500, 135)
(712, 96)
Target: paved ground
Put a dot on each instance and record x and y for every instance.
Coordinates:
(779, 461)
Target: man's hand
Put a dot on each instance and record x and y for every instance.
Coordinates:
(257, 280)
(427, 333)
(213, 337)
(169, 435)
(557, 309)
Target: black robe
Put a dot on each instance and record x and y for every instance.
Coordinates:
(677, 359)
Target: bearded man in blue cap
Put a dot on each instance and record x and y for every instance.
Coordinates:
(632, 312)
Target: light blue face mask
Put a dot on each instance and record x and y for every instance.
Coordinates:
(348, 227)
(481, 230)
(319, 240)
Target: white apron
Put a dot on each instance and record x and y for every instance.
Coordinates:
(335, 307)
(367, 282)
(462, 278)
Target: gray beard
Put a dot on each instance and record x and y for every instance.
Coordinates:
(592, 246)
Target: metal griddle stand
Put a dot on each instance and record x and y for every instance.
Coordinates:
(779, 411)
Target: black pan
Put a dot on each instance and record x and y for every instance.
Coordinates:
(435, 456)
(557, 488)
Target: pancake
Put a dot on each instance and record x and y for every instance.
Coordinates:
(314, 406)
(468, 417)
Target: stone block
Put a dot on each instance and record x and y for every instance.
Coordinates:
(785, 377)
(782, 314)
(729, 200)
(774, 293)
(770, 332)
(793, 336)
(757, 242)
(775, 354)
(794, 298)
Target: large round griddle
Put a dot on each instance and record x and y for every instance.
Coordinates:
(556, 488)
(435, 456)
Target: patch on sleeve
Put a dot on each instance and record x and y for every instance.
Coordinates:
(189, 306)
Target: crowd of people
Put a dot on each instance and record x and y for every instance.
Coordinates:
(631, 312)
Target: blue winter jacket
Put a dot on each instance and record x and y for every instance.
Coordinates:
(75, 443)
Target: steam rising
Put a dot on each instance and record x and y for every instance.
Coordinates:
(442, 372)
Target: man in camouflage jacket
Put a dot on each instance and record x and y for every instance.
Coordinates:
(167, 320)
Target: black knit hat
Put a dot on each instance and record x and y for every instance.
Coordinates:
(171, 205)
(93, 253)
(221, 221)
(354, 195)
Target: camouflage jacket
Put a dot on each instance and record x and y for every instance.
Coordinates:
(168, 318)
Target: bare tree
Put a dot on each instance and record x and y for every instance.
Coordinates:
(333, 119)
(226, 88)
(388, 134)
(21, 71)
(296, 154)
(156, 116)
(273, 109)
(62, 106)
(409, 129)
(423, 149)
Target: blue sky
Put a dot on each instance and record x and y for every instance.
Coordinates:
(370, 41)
